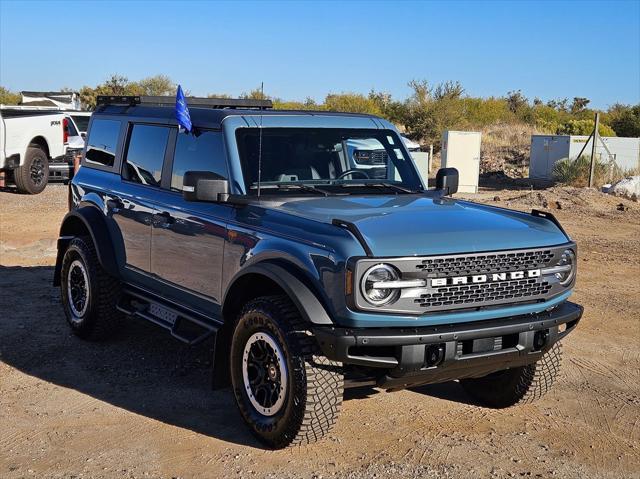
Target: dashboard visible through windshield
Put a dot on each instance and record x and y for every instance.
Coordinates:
(324, 161)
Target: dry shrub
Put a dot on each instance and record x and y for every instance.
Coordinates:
(503, 135)
(576, 172)
(506, 147)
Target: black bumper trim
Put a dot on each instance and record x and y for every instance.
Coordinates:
(406, 365)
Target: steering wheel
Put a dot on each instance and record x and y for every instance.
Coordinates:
(352, 172)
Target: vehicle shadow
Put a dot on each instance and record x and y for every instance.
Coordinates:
(9, 189)
(142, 370)
(449, 391)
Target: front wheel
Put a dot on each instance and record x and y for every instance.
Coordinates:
(287, 392)
(89, 294)
(521, 385)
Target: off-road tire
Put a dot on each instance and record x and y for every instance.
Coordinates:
(25, 179)
(101, 318)
(315, 384)
(522, 385)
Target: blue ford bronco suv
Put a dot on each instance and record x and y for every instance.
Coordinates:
(311, 277)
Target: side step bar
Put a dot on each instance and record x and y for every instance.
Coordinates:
(183, 324)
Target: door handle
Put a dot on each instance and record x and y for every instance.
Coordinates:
(115, 204)
(163, 219)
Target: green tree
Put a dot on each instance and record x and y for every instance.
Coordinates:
(516, 101)
(114, 85)
(351, 102)
(88, 97)
(625, 120)
(8, 97)
(579, 104)
(583, 127)
(255, 94)
(448, 90)
(157, 85)
(218, 95)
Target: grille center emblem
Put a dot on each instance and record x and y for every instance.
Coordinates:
(485, 278)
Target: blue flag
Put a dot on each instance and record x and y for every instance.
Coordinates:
(182, 111)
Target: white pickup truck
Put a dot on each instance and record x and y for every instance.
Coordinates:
(32, 146)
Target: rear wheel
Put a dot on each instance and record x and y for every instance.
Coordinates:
(32, 177)
(521, 385)
(287, 392)
(89, 295)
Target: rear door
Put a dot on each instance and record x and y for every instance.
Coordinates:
(133, 206)
(188, 238)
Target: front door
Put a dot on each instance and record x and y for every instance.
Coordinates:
(188, 238)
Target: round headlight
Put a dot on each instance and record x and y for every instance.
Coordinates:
(568, 263)
(375, 294)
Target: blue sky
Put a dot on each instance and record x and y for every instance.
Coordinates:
(299, 49)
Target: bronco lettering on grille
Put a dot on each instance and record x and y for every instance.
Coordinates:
(484, 278)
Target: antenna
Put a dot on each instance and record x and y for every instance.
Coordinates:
(260, 141)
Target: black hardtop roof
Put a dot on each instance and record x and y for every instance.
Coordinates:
(201, 115)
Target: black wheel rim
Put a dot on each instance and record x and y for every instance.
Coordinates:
(37, 172)
(78, 289)
(264, 373)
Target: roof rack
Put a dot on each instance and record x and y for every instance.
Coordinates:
(191, 101)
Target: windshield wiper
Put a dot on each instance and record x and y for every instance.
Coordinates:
(389, 186)
(301, 186)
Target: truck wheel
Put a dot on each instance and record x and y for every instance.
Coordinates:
(33, 175)
(89, 295)
(287, 392)
(521, 385)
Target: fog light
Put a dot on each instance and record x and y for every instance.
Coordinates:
(434, 355)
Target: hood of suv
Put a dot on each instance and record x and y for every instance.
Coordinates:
(406, 225)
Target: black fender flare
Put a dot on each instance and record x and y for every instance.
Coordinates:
(95, 223)
(310, 307)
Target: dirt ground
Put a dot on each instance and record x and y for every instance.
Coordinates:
(140, 405)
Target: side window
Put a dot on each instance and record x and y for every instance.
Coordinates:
(145, 154)
(198, 153)
(71, 129)
(102, 142)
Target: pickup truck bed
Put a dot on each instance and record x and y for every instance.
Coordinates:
(32, 146)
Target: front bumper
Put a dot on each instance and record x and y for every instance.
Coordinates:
(403, 357)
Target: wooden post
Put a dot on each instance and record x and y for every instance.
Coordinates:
(430, 162)
(2, 185)
(593, 151)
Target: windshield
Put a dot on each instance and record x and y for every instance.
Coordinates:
(325, 161)
(82, 122)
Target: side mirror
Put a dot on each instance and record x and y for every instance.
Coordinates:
(447, 180)
(204, 186)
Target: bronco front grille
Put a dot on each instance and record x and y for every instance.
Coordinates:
(379, 157)
(485, 263)
(471, 281)
(376, 157)
(473, 294)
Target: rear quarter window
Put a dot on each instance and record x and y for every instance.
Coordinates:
(82, 122)
(102, 142)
